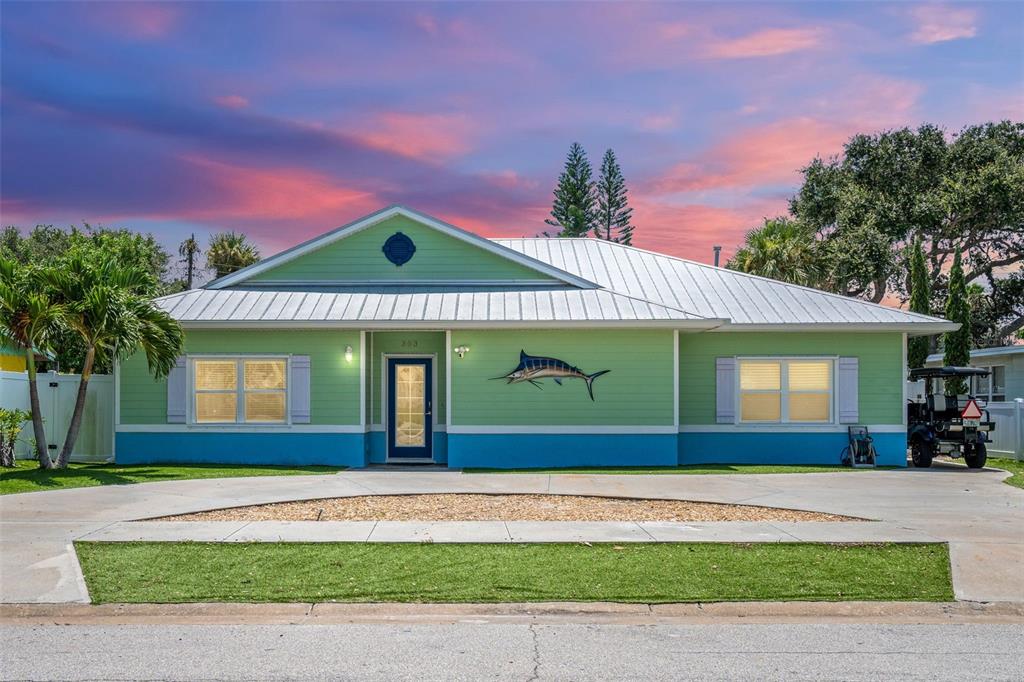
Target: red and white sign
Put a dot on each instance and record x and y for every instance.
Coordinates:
(971, 410)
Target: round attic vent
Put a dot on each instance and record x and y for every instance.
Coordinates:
(399, 249)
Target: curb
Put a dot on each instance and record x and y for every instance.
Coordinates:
(533, 613)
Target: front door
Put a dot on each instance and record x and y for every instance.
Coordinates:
(410, 390)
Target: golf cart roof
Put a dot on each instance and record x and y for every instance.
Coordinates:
(941, 372)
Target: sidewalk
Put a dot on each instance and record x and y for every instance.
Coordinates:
(980, 517)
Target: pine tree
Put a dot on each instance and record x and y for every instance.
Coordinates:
(613, 212)
(573, 209)
(957, 344)
(920, 297)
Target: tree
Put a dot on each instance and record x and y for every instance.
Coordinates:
(188, 250)
(957, 344)
(920, 302)
(108, 306)
(28, 319)
(781, 249)
(573, 210)
(46, 246)
(963, 194)
(614, 216)
(230, 251)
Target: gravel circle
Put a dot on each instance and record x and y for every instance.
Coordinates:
(475, 507)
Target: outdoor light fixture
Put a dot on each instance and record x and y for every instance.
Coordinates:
(461, 350)
(348, 353)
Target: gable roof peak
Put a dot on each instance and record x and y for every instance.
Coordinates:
(383, 214)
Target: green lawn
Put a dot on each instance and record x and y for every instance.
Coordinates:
(685, 469)
(1013, 466)
(166, 572)
(27, 477)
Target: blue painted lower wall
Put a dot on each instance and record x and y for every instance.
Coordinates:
(503, 450)
(783, 448)
(331, 449)
(510, 451)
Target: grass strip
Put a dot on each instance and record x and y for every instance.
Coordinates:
(27, 477)
(1013, 466)
(684, 469)
(166, 572)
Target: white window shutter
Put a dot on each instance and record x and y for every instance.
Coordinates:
(847, 386)
(299, 389)
(176, 392)
(725, 388)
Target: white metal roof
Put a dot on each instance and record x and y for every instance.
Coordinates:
(600, 283)
(557, 306)
(747, 301)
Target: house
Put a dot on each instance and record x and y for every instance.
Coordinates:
(1007, 366)
(401, 338)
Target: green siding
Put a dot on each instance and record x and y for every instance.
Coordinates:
(402, 343)
(880, 367)
(638, 391)
(438, 256)
(334, 390)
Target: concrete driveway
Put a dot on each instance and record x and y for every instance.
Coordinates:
(980, 517)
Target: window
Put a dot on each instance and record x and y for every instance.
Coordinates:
(993, 387)
(261, 397)
(786, 391)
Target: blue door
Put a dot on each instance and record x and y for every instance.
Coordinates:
(410, 409)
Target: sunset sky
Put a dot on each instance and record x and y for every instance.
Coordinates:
(284, 121)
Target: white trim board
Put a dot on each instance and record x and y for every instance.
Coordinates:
(362, 283)
(706, 324)
(580, 429)
(240, 428)
(379, 217)
(786, 428)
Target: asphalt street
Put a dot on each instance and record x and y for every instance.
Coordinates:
(513, 651)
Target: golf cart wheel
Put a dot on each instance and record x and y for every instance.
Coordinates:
(975, 455)
(921, 453)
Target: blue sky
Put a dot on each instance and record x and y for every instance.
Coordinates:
(286, 120)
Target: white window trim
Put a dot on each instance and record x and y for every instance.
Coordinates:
(988, 397)
(239, 358)
(784, 360)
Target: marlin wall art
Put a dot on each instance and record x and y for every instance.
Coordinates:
(532, 368)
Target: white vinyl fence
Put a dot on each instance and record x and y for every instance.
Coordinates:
(1008, 437)
(57, 394)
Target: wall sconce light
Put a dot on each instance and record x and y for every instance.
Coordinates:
(461, 350)
(348, 353)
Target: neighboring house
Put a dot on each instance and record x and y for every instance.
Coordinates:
(399, 337)
(12, 358)
(1007, 366)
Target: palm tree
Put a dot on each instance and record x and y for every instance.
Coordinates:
(780, 249)
(230, 251)
(107, 307)
(188, 250)
(28, 320)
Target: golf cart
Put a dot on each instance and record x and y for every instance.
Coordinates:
(954, 425)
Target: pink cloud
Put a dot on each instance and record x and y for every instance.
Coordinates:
(231, 101)
(939, 23)
(690, 230)
(765, 155)
(274, 194)
(421, 136)
(139, 20)
(767, 42)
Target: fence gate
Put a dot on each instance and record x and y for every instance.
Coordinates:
(57, 394)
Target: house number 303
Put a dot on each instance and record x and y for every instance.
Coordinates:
(410, 343)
